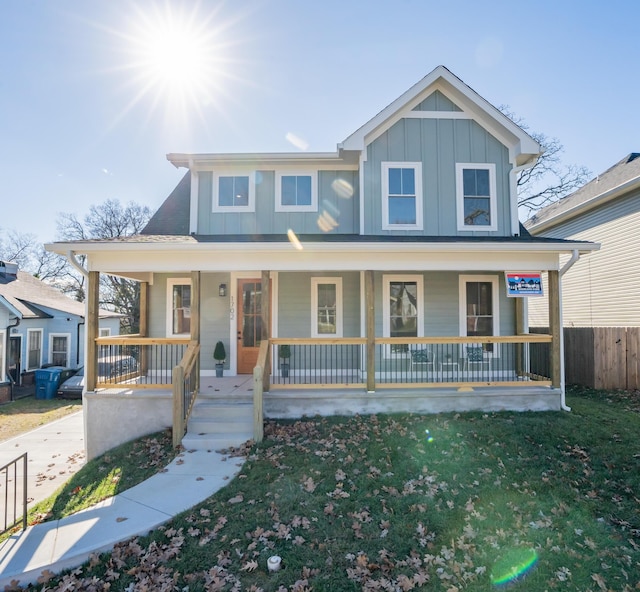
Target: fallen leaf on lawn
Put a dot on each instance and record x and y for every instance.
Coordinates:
(237, 499)
(45, 576)
(249, 566)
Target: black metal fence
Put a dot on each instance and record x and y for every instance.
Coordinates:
(14, 495)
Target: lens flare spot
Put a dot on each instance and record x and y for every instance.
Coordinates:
(428, 436)
(293, 239)
(513, 566)
(342, 188)
(296, 141)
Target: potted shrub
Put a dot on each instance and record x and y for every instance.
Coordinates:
(219, 355)
(284, 353)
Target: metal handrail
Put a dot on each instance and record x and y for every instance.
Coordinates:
(6, 470)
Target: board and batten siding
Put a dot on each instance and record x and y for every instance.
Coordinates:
(601, 289)
(439, 144)
(294, 303)
(332, 199)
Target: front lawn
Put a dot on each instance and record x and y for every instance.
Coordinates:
(451, 502)
(17, 417)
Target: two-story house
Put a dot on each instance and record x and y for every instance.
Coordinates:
(379, 267)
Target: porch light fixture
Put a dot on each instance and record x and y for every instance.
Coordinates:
(222, 290)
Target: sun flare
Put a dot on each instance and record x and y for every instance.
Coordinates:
(178, 58)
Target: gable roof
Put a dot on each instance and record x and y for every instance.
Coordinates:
(172, 217)
(618, 180)
(522, 147)
(26, 294)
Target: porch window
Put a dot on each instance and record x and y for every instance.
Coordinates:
(296, 192)
(402, 195)
(479, 310)
(476, 196)
(34, 348)
(59, 350)
(326, 307)
(234, 193)
(179, 309)
(403, 309)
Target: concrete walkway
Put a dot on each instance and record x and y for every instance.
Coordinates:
(190, 479)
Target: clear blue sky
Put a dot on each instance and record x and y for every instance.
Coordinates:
(88, 114)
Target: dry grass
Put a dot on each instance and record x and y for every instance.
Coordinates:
(29, 413)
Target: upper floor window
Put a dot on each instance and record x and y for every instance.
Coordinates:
(234, 193)
(296, 192)
(402, 195)
(476, 196)
(178, 307)
(326, 307)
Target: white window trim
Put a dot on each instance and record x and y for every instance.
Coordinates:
(417, 167)
(171, 282)
(104, 332)
(68, 338)
(493, 200)
(3, 355)
(315, 282)
(279, 207)
(462, 299)
(29, 331)
(386, 305)
(250, 207)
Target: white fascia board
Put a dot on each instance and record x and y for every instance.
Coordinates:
(12, 309)
(149, 258)
(585, 206)
(260, 160)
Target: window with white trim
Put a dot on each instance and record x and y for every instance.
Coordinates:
(296, 192)
(402, 195)
(479, 307)
(34, 348)
(3, 363)
(59, 349)
(402, 309)
(178, 307)
(326, 307)
(476, 200)
(234, 193)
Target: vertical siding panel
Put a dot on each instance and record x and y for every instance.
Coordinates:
(446, 177)
(205, 202)
(430, 179)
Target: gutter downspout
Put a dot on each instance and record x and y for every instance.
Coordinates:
(568, 265)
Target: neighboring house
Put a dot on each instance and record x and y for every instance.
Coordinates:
(40, 326)
(386, 262)
(601, 313)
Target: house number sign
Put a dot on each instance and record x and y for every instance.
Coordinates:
(232, 308)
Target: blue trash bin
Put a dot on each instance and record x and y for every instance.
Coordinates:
(47, 381)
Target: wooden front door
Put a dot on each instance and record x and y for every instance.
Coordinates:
(249, 324)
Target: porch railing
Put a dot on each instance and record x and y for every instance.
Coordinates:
(186, 384)
(138, 362)
(419, 361)
(9, 481)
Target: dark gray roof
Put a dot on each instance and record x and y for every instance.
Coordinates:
(172, 217)
(621, 172)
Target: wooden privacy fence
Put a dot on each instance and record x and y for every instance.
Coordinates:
(601, 357)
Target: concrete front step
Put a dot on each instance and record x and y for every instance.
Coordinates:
(216, 425)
